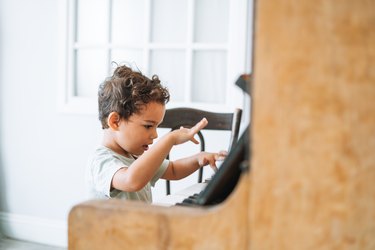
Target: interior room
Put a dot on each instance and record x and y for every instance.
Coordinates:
(54, 55)
(300, 175)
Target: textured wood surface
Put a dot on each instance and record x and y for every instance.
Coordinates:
(117, 224)
(314, 125)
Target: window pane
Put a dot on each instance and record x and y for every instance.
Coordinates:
(128, 57)
(211, 21)
(128, 21)
(89, 28)
(169, 21)
(91, 71)
(170, 67)
(209, 77)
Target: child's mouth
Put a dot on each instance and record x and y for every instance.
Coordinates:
(145, 147)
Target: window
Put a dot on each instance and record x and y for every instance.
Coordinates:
(198, 48)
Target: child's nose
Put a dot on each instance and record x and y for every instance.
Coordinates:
(154, 134)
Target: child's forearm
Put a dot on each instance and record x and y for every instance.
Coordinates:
(144, 168)
(184, 167)
(146, 165)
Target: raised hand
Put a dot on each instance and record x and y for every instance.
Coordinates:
(185, 134)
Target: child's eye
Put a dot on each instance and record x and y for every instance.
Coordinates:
(148, 126)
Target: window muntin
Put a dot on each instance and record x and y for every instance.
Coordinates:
(188, 44)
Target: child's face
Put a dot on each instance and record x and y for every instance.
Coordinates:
(139, 131)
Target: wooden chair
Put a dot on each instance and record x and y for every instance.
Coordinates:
(188, 117)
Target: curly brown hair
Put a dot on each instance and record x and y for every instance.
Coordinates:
(126, 91)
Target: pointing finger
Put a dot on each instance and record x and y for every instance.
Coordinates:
(200, 125)
(214, 167)
(194, 140)
(221, 156)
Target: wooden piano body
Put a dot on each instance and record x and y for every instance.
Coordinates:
(133, 225)
(312, 178)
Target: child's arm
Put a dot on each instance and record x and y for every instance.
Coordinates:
(141, 171)
(183, 167)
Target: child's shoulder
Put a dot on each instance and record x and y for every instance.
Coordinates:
(103, 152)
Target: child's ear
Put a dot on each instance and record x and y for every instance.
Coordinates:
(113, 120)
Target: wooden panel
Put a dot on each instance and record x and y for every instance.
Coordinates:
(314, 125)
(117, 224)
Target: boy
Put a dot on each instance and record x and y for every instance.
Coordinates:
(131, 107)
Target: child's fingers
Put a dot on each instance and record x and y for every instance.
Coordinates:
(221, 155)
(194, 130)
(200, 125)
(223, 152)
(208, 160)
(194, 140)
(214, 167)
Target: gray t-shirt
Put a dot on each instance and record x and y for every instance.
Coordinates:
(100, 170)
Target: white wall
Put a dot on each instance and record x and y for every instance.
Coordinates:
(42, 151)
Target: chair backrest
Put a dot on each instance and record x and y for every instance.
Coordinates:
(188, 117)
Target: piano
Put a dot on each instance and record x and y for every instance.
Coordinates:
(217, 188)
(185, 196)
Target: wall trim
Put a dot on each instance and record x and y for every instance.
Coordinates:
(34, 229)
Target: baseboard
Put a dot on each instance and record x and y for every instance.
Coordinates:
(34, 229)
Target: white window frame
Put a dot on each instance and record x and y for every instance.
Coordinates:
(238, 54)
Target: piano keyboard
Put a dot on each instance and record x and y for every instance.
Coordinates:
(189, 201)
(184, 197)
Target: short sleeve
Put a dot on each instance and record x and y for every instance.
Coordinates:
(103, 169)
